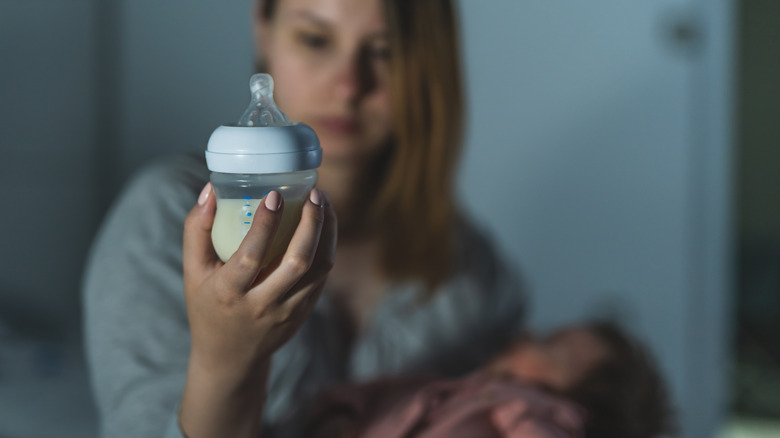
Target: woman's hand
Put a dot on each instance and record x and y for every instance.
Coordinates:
(241, 313)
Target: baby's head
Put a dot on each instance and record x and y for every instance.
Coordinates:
(601, 368)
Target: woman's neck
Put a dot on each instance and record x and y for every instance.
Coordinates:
(355, 283)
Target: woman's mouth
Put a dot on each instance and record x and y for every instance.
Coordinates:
(339, 125)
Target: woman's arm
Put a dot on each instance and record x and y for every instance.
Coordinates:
(136, 326)
(240, 313)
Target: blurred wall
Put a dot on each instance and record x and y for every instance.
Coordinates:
(597, 151)
(759, 133)
(756, 381)
(48, 117)
(600, 156)
(48, 186)
(184, 69)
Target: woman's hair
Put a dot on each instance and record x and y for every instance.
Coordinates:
(413, 202)
(624, 396)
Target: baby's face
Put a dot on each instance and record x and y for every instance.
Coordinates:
(558, 361)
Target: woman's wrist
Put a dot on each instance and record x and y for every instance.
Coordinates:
(219, 403)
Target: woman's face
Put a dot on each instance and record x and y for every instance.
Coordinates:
(329, 60)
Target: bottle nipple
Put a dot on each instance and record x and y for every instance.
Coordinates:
(262, 110)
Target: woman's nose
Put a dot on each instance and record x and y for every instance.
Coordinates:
(353, 77)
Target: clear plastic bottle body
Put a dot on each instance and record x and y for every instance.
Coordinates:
(238, 196)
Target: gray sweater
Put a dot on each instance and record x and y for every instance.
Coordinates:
(138, 339)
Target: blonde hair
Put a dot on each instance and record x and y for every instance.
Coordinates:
(416, 199)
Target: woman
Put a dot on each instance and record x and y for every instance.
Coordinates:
(414, 287)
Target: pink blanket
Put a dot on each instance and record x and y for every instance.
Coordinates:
(476, 406)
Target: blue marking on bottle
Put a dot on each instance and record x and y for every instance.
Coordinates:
(246, 197)
(248, 223)
(249, 213)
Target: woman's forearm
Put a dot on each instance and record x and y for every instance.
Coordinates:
(240, 312)
(220, 406)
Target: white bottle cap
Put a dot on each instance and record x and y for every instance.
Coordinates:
(264, 141)
(271, 149)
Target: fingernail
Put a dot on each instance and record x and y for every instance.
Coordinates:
(273, 200)
(315, 197)
(204, 194)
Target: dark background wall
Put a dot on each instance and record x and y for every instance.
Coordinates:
(756, 377)
(49, 162)
(759, 122)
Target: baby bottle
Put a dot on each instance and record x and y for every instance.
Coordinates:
(264, 151)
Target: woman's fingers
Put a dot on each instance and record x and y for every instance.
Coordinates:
(298, 258)
(326, 251)
(242, 268)
(309, 286)
(199, 255)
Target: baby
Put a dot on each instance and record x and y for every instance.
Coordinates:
(587, 380)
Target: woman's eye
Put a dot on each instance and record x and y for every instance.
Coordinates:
(313, 41)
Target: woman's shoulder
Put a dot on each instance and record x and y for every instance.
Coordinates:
(185, 173)
(169, 185)
(154, 202)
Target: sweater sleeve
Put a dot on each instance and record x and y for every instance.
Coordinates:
(136, 329)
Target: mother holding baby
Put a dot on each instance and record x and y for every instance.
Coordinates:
(181, 344)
